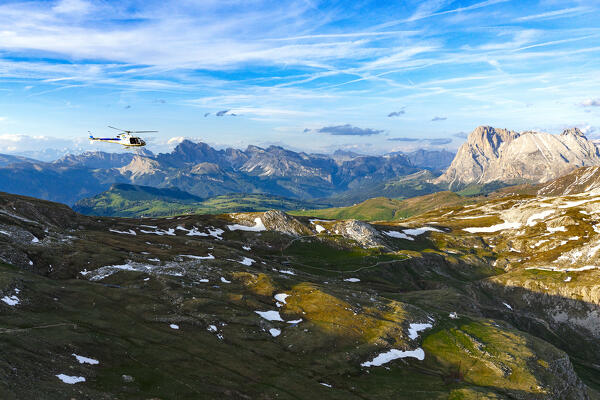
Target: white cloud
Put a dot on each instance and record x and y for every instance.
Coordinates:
(72, 7)
(553, 14)
(174, 141)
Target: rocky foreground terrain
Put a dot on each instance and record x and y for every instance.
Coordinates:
(498, 299)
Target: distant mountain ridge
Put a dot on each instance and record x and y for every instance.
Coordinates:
(500, 155)
(206, 172)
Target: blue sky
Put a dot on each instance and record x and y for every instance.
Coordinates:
(369, 76)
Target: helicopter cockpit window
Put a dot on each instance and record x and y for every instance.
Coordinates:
(133, 141)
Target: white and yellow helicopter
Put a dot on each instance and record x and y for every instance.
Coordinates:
(125, 138)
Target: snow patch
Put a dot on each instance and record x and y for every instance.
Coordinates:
(11, 300)
(247, 261)
(494, 228)
(398, 235)
(420, 231)
(70, 379)
(85, 360)
(258, 227)
(208, 257)
(275, 332)
(414, 329)
(129, 232)
(351, 280)
(394, 354)
(270, 315)
(280, 297)
(287, 271)
(174, 326)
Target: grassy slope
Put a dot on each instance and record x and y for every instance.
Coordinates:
(384, 209)
(136, 201)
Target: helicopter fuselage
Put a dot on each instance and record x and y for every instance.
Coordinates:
(124, 140)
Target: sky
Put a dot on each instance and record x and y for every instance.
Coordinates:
(367, 76)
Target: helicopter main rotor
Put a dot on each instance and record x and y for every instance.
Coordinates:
(129, 132)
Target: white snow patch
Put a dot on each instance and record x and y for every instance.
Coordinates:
(453, 315)
(557, 229)
(287, 271)
(211, 328)
(160, 232)
(575, 203)
(420, 231)
(325, 384)
(556, 269)
(70, 379)
(320, 228)
(494, 228)
(414, 329)
(129, 232)
(270, 315)
(294, 321)
(275, 332)
(258, 227)
(247, 248)
(85, 360)
(208, 257)
(351, 280)
(247, 261)
(398, 235)
(394, 354)
(539, 243)
(280, 297)
(203, 280)
(11, 300)
(568, 279)
(174, 326)
(35, 240)
(225, 280)
(531, 221)
(507, 305)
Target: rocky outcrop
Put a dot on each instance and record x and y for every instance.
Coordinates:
(582, 180)
(362, 233)
(278, 221)
(499, 155)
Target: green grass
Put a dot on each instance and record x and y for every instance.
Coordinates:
(386, 209)
(136, 201)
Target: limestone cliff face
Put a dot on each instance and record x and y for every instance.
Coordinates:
(492, 154)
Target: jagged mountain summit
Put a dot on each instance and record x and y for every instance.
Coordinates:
(499, 155)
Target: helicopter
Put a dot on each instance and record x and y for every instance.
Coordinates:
(124, 138)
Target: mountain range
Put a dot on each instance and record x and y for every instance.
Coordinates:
(206, 172)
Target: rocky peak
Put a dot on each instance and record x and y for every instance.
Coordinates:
(573, 132)
(188, 152)
(499, 155)
(140, 165)
(489, 140)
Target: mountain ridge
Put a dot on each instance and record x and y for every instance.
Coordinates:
(206, 172)
(492, 154)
